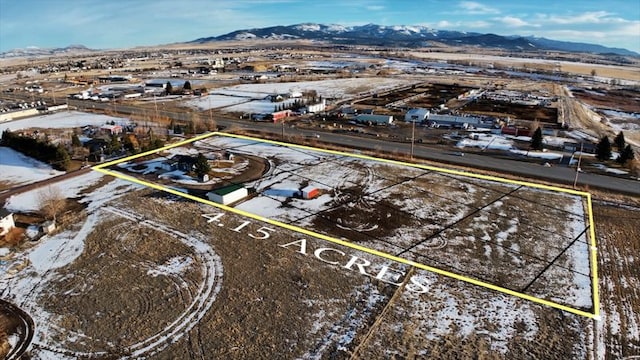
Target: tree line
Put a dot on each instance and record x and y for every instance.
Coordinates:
(55, 155)
(604, 149)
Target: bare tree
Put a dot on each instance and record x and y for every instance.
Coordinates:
(51, 202)
(535, 124)
(211, 125)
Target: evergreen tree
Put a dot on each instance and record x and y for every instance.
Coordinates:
(168, 88)
(620, 141)
(603, 149)
(201, 165)
(75, 141)
(62, 158)
(536, 139)
(187, 85)
(626, 155)
(115, 144)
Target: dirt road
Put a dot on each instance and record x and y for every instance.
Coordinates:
(20, 189)
(20, 324)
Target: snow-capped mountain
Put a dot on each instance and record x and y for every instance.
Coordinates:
(410, 36)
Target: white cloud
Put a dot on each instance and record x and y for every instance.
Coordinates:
(476, 8)
(457, 25)
(443, 24)
(590, 17)
(512, 21)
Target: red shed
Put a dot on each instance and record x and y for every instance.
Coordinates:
(279, 115)
(310, 192)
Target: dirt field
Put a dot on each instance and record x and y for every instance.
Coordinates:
(210, 287)
(618, 99)
(619, 246)
(500, 109)
(618, 72)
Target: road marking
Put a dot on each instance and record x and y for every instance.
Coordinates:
(593, 258)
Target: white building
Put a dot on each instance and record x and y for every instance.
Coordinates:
(6, 221)
(453, 119)
(374, 119)
(228, 194)
(416, 115)
(315, 108)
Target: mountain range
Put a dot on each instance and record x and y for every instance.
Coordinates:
(410, 36)
(371, 34)
(36, 51)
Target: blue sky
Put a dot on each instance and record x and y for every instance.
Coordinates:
(109, 24)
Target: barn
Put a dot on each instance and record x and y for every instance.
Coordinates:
(228, 194)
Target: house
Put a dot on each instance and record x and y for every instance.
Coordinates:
(112, 129)
(416, 115)
(587, 147)
(348, 111)
(228, 194)
(184, 163)
(6, 221)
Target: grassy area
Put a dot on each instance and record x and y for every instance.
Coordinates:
(618, 237)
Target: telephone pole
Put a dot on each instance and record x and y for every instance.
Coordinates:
(575, 181)
(413, 135)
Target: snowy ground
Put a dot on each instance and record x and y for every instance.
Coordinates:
(18, 169)
(60, 120)
(374, 193)
(251, 97)
(486, 141)
(360, 198)
(72, 188)
(161, 167)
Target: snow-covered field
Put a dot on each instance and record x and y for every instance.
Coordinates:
(60, 120)
(251, 97)
(361, 198)
(17, 169)
(54, 253)
(486, 141)
(30, 201)
(477, 234)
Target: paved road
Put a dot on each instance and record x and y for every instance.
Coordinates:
(557, 174)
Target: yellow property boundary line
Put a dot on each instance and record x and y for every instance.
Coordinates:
(593, 249)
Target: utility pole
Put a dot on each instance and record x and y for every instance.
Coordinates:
(575, 181)
(282, 129)
(413, 135)
(210, 113)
